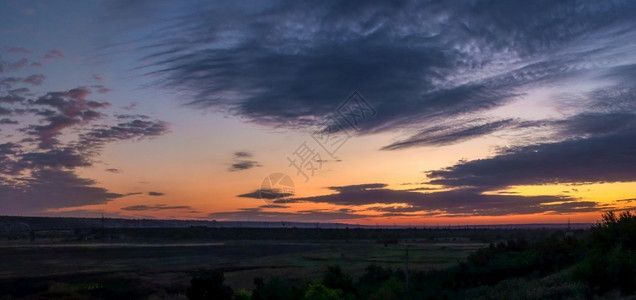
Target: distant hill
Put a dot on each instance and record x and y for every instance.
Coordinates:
(17, 224)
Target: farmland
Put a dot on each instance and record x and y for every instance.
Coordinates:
(53, 260)
(164, 269)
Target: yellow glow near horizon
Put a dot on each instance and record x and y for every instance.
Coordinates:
(605, 193)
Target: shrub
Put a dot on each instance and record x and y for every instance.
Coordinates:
(209, 285)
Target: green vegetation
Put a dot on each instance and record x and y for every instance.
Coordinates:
(204, 263)
(603, 264)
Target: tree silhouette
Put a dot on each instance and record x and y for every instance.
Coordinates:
(209, 285)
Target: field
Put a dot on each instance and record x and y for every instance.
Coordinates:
(163, 270)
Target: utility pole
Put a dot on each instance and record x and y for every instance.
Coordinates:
(406, 274)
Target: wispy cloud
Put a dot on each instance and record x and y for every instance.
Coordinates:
(27, 11)
(157, 207)
(18, 50)
(6, 121)
(242, 162)
(54, 54)
(290, 63)
(450, 134)
(266, 194)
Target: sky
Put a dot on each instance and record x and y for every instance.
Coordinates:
(363, 112)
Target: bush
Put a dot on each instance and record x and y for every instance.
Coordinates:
(334, 278)
(317, 291)
(275, 289)
(209, 285)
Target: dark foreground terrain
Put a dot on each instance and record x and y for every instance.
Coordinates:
(313, 263)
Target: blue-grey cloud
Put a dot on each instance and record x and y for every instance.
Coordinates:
(135, 129)
(596, 124)
(18, 50)
(6, 121)
(55, 158)
(291, 63)
(605, 158)
(450, 134)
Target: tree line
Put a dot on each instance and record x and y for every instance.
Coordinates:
(599, 263)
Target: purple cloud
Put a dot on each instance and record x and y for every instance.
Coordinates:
(54, 54)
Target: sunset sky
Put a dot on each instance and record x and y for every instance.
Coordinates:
(403, 112)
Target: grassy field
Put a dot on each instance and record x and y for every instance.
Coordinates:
(164, 270)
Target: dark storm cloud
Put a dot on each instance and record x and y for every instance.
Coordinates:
(606, 158)
(596, 124)
(290, 63)
(459, 202)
